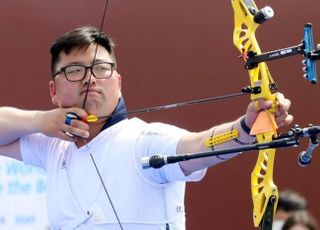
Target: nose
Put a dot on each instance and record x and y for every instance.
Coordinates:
(89, 78)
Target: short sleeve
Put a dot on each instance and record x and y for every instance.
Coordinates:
(33, 150)
(162, 139)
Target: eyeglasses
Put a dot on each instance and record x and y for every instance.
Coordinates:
(73, 73)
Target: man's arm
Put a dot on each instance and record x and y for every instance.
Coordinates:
(11, 150)
(195, 142)
(16, 123)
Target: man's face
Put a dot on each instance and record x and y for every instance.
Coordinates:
(103, 94)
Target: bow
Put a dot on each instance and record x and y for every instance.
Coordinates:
(247, 19)
(264, 192)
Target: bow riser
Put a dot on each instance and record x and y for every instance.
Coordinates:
(264, 191)
(262, 185)
(244, 39)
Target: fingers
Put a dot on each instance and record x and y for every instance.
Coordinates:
(78, 112)
(76, 128)
(262, 104)
(66, 136)
(284, 120)
(74, 125)
(56, 123)
(282, 116)
(253, 110)
(283, 103)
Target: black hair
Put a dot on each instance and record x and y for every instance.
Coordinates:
(80, 38)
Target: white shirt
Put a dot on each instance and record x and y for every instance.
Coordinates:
(143, 199)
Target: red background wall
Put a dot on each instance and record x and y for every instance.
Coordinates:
(171, 51)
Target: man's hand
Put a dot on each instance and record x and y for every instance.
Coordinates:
(53, 123)
(283, 118)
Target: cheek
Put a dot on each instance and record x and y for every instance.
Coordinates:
(113, 92)
(67, 96)
(111, 88)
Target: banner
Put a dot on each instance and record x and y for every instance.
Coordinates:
(22, 196)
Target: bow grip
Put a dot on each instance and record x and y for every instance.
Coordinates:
(310, 63)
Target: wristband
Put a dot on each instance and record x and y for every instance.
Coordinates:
(244, 126)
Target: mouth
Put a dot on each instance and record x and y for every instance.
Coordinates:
(90, 91)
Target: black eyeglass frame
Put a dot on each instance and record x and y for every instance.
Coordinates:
(63, 70)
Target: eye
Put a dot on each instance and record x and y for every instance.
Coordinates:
(102, 67)
(74, 70)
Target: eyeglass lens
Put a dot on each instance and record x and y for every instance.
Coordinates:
(78, 72)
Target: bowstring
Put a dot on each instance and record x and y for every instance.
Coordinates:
(83, 107)
(96, 50)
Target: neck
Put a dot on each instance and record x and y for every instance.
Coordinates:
(95, 129)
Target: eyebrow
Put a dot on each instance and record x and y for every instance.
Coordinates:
(97, 60)
(81, 63)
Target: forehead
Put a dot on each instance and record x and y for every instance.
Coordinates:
(84, 55)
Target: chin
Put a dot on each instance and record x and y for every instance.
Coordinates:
(94, 109)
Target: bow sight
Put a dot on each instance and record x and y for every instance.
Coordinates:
(306, 48)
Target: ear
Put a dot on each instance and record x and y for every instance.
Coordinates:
(53, 92)
(119, 84)
(118, 77)
(120, 81)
